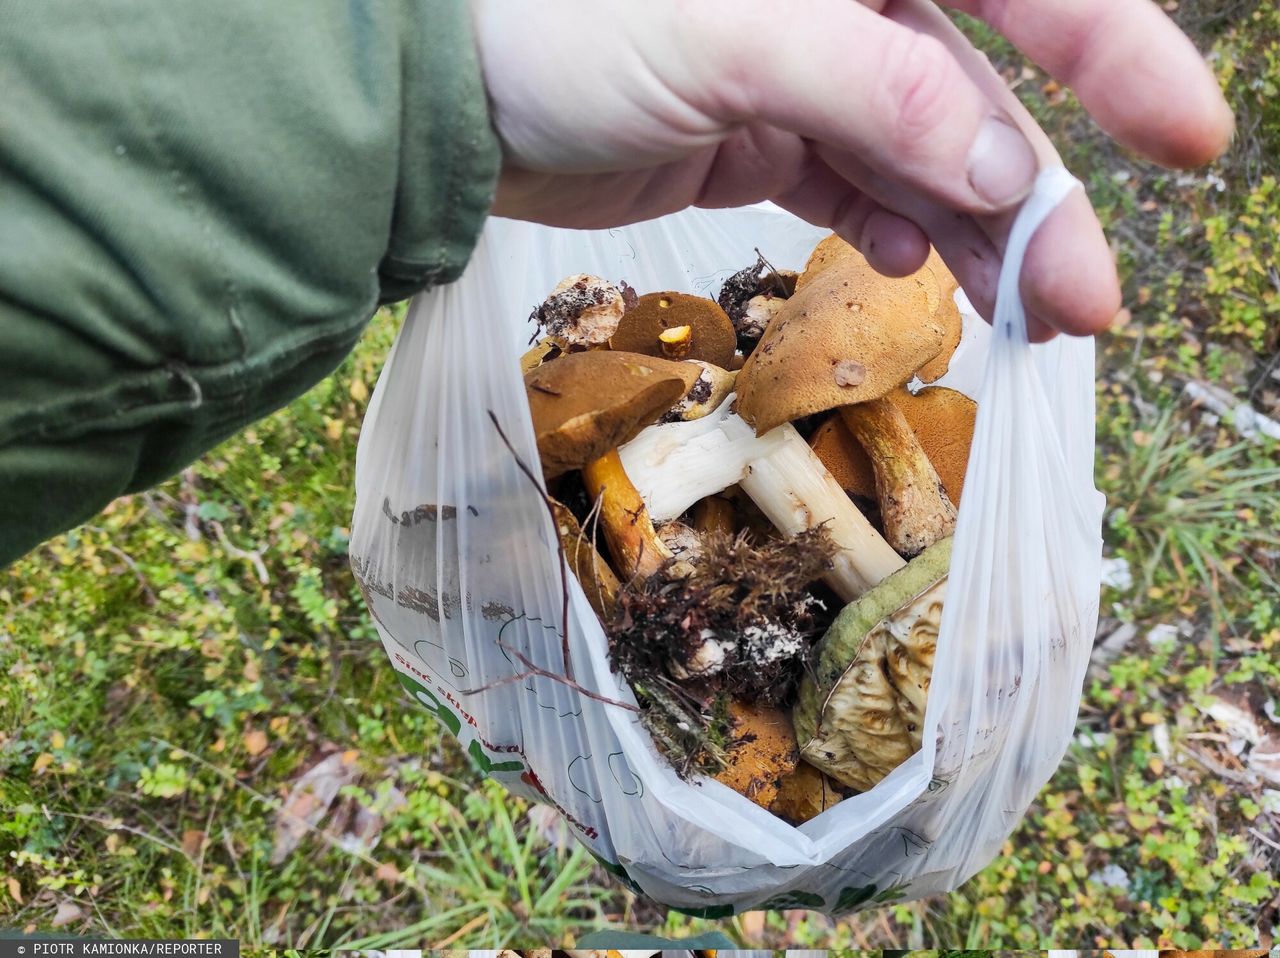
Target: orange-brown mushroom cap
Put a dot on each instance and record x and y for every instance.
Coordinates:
(948, 313)
(943, 421)
(851, 335)
(585, 404)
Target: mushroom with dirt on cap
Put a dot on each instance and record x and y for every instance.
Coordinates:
(582, 312)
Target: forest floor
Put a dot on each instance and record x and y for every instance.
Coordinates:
(169, 670)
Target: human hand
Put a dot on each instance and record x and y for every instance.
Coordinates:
(876, 119)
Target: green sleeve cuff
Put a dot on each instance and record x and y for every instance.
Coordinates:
(450, 157)
(202, 206)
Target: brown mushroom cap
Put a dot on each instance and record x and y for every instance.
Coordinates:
(585, 404)
(849, 336)
(764, 752)
(942, 420)
(804, 794)
(830, 251)
(712, 338)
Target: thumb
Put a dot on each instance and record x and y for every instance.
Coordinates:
(851, 80)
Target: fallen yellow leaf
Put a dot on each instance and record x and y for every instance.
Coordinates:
(57, 740)
(255, 741)
(192, 842)
(359, 391)
(43, 761)
(15, 890)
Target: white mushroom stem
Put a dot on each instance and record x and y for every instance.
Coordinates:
(674, 465)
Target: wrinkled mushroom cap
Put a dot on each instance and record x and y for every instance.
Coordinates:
(764, 752)
(585, 404)
(942, 420)
(712, 338)
(849, 336)
(860, 713)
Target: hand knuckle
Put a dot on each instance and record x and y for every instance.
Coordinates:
(921, 79)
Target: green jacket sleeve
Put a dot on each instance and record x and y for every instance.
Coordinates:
(201, 205)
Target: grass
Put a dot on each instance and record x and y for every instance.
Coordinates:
(168, 670)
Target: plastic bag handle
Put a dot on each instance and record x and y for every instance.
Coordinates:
(1052, 186)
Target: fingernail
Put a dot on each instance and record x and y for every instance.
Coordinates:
(1002, 165)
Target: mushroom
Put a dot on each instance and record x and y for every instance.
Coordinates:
(830, 251)
(844, 341)
(714, 514)
(834, 251)
(673, 465)
(585, 404)
(860, 712)
(683, 541)
(628, 528)
(914, 509)
(942, 420)
(757, 314)
(676, 341)
(747, 295)
(711, 336)
(763, 752)
(582, 312)
(804, 794)
(598, 581)
(948, 312)
(707, 392)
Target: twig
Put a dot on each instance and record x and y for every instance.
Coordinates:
(127, 560)
(254, 556)
(114, 825)
(531, 669)
(1263, 838)
(564, 563)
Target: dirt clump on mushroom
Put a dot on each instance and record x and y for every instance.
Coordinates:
(741, 624)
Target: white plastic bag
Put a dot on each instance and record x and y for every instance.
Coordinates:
(456, 554)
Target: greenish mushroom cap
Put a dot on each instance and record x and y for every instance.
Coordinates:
(860, 713)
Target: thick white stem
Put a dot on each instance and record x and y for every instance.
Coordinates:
(794, 489)
(676, 464)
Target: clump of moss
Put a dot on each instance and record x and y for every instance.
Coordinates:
(740, 626)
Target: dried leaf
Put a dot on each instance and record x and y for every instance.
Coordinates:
(359, 391)
(15, 890)
(68, 911)
(1264, 759)
(752, 924)
(192, 841)
(309, 800)
(255, 741)
(387, 872)
(43, 761)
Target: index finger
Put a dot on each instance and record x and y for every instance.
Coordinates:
(1136, 73)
